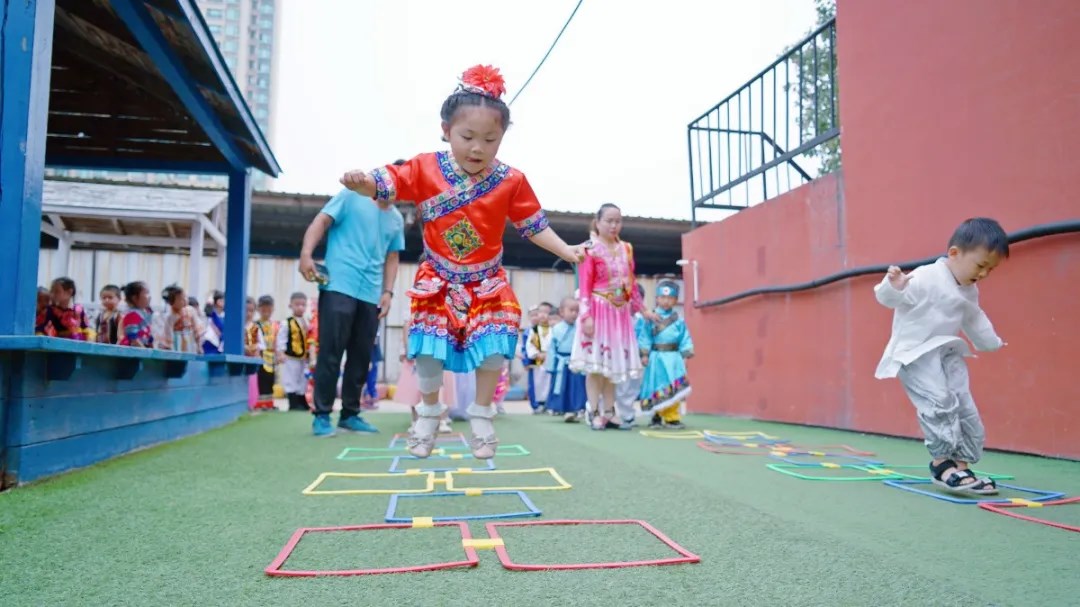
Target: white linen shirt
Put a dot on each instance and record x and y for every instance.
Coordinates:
(930, 313)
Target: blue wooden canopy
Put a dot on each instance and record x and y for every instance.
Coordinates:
(132, 85)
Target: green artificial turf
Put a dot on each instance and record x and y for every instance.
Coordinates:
(195, 523)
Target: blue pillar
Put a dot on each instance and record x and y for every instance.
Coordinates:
(238, 236)
(24, 104)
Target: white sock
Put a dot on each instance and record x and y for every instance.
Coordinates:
(427, 422)
(480, 420)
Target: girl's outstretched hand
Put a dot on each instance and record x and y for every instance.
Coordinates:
(575, 253)
(359, 182)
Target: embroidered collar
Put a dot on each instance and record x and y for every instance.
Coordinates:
(453, 172)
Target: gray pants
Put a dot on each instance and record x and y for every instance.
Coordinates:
(937, 384)
(626, 394)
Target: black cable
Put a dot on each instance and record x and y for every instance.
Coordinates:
(1039, 231)
(551, 48)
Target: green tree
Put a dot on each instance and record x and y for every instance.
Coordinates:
(817, 68)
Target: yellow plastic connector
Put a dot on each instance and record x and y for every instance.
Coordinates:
(485, 543)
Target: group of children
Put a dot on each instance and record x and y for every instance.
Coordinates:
(465, 318)
(179, 327)
(289, 350)
(659, 390)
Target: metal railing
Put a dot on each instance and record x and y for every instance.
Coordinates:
(771, 134)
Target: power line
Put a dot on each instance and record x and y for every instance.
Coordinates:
(551, 48)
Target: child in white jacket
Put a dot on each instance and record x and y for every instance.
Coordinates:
(933, 304)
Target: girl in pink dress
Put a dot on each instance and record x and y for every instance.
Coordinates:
(605, 345)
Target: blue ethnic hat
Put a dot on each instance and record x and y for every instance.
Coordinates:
(667, 289)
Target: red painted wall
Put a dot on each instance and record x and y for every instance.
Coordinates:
(949, 110)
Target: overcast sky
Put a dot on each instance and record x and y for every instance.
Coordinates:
(360, 83)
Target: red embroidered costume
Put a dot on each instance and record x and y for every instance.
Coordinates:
(463, 309)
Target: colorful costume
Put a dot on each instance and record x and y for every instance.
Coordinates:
(214, 335)
(180, 331)
(135, 329)
(108, 327)
(567, 393)
(502, 387)
(292, 341)
(267, 331)
(68, 323)
(254, 344)
(313, 347)
(536, 348)
(608, 296)
(463, 310)
(667, 343)
(528, 363)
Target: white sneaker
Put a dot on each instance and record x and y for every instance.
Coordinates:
(445, 427)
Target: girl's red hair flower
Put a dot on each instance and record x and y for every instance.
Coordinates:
(484, 79)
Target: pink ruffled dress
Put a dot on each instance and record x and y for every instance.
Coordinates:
(608, 294)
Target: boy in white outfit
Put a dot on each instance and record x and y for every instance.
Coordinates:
(292, 353)
(933, 304)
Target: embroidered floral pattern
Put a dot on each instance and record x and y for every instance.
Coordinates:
(464, 188)
(489, 287)
(664, 393)
(425, 288)
(483, 325)
(462, 238)
(459, 301)
(384, 185)
(532, 225)
(461, 273)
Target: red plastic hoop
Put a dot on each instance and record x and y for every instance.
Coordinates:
(274, 569)
(685, 556)
(1004, 509)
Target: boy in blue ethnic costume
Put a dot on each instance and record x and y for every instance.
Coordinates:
(567, 395)
(665, 345)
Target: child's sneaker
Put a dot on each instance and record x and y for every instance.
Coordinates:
(444, 426)
(676, 425)
(356, 423)
(570, 418)
(656, 422)
(320, 426)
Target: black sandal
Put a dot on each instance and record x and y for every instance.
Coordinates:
(955, 481)
(983, 486)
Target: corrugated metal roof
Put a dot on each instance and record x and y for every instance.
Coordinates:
(128, 199)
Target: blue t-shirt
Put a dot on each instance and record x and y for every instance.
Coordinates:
(357, 244)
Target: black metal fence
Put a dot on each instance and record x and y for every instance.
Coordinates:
(772, 134)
